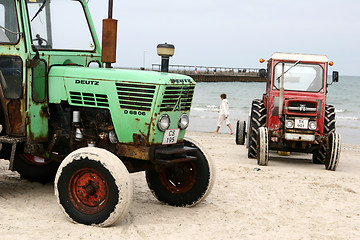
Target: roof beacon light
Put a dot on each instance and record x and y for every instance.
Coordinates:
(331, 63)
(261, 60)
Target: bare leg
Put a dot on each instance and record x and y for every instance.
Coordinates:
(231, 131)
(217, 130)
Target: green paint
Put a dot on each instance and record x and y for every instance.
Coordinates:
(135, 99)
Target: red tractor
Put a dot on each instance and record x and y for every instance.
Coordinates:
(293, 115)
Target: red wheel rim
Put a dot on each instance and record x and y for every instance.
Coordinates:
(88, 191)
(35, 160)
(179, 178)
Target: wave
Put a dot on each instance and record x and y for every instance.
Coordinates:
(348, 118)
(340, 110)
(207, 108)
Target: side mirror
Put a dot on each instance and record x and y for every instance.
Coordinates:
(262, 73)
(335, 76)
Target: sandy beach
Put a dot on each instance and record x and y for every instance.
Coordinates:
(289, 199)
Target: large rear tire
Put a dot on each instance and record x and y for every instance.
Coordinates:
(35, 168)
(319, 156)
(257, 120)
(334, 149)
(184, 184)
(93, 187)
(263, 147)
(240, 132)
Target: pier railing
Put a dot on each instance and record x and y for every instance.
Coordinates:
(206, 70)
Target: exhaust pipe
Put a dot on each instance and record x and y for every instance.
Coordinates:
(109, 35)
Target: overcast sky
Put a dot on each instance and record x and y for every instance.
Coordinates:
(234, 33)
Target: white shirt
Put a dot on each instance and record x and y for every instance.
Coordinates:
(224, 108)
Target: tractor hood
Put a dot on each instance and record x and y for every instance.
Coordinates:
(112, 74)
(64, 79)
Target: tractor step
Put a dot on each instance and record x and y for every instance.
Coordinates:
(13, 141)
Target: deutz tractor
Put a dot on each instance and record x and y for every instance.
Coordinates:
(65, 116)
(293, 115)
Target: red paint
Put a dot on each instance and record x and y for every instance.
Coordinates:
(88, 191)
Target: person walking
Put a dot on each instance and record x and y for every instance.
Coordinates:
(224, 114)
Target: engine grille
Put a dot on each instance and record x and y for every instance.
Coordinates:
(302, 107)
(89, 99)
(177, 98)
(135, 96)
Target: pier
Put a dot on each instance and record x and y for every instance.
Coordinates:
(215, 74)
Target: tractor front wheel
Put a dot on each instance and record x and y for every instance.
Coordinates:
(263, 147)
(183, 184)
(333, 151)
(93, 187)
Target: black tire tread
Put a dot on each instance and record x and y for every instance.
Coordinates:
(257, 120)
(329, 127)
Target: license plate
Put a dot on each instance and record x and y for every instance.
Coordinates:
(171, 136)
(301, 123)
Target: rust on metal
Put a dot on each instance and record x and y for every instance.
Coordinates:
(44, 113)
(109, 41)
(17, 124)
(127, 150)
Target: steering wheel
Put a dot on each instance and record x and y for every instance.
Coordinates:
(40, 40)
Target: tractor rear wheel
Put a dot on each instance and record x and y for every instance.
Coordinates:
(183, 184)
(93, 187)
(35, 168)
(257, 120)
(263, 147)
(329, 126)
(240, 132)
(334, 149)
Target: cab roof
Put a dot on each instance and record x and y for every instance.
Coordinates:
(299, 56)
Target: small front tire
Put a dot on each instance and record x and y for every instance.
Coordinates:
(263, 147)
(93, 187)
(333, 152)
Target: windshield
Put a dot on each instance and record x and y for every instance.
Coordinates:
(299, 77)
(59, 24)
(9, 32)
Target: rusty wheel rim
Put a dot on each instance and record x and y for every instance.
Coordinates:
(88, 191)
(179, 178)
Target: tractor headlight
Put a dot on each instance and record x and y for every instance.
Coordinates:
(289, 123)
(163, 122)
(312, 125)
(183, 121)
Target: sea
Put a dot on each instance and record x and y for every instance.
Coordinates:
(343, 95)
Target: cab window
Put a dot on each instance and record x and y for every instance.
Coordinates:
(299, 77)
(9, 32)
(60, 25)
(11, 76)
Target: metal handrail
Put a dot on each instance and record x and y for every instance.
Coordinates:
(205, 70)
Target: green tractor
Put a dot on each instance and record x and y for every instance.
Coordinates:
(65, 117)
